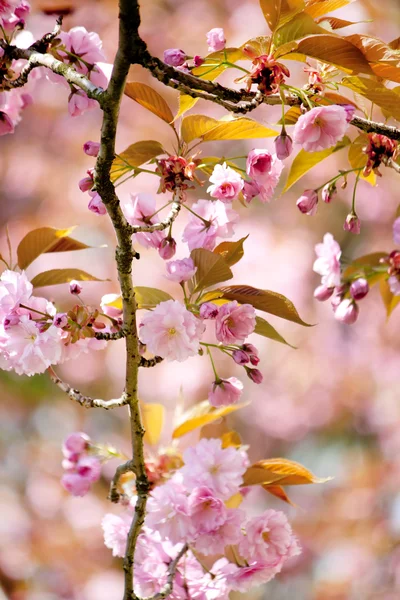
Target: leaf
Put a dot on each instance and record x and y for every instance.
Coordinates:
(390, 301)
(335, 23)
(278, 492)
(185, 104)
(384, 60)
(148, 97)
(208, 163)
(334, 50)
(282, 470)
(231, 438)
(211, 269)
(153, 420)
(203, 414)
(278, 12)
(234, 501)
(297, 28)
(43, 240)
(304, 161)
(56, 276)
(270, 302)
(318, 8)
(266, 330)
(194, 126)
(135, 155)
(358, 158)
(375, 92)
(395, 44)
(364, 265)
(238, 129)
(291, 116)
(117, 303)
(147, 297)
(231, 252)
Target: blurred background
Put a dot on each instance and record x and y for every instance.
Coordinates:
(333, 404)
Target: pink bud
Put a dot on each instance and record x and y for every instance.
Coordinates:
(352, 223)
(283, 145)
(328, 193)
(75, 287)
(208, 311)
(60, 320)
(225, 392)
(216, 39)
(96, 204)
(75, 484)
(240, 357)
(335, 301)
(307, 203)
(250, 349)
(174, 57)
(254, 360)
(167, 248)
(255, 375)
(323, 293)
(87, 183)
(347, 312)
(75, 443)
(6, 124)
(359, 288)
(198, 60)
(350, 110)
(89, 467)
(91, 148)
(250, 190)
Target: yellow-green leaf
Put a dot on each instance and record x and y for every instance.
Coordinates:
(116, 303)
(185, 104)
(239, 129)
(231, 252)
(279, 12)
(364, 265)
(135, 155)
(202, 414)
(208, 163)
(376, 93)
(195, 126)
(265, 300)
(211, 269)
(148, 97)
(305, 161)
(234, 501)
(266, 330)
(291, 116)
(147, 297)
(279, 470)
(231, 438)
(56, 276)
(358, 158)
(297, 28)
(153, 420)
(318, 8)
(390, 301)
(43, 240)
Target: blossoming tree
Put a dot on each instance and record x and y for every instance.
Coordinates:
(183, 533)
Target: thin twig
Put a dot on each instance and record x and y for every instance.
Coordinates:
(150, 362)
(172, 568)
(116, 335)
(164, 224)
(114, 495)
(393, 165)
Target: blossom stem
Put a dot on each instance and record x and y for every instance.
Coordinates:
(353, 201)
(206, 223)
(336, 177)
(217, 378)
(39, 312)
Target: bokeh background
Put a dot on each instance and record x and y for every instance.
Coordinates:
(333, 404)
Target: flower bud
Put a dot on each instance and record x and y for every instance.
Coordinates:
(208, 310)
(89, 467)
(198, 60)
(75, 443)
(307, 203)
(323, 293)
(167, 248)
(75, 287)
(216, 39)
(350, 110)
(6, 124)
(91, 148)
(283, 145)
(347, 312)
(250, 190)
(60, 320)
(96, 204)
(225, 392)
(240, 357)
(174, 57)
(359, 288)
(255, 375)
(75, 484)
(329, 192)
(352, 223)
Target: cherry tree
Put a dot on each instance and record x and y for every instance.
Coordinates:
(183, 532)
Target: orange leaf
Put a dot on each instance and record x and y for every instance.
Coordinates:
(279, 492)
(279, 470)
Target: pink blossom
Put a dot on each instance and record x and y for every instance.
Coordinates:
(216, 39)
(78, 103)
(328, 262)
(60, 320)
(75, 484)
(181, 270)
(228, 533)
(91, 148)
(323, 293)
(171, 331)
(258, 165)
(82, 43)
(220, 220)
(168, 512)
(86, 183)
(321, 128)
(206, 511)
(174, 57)
(352, 224)
(208, 310)
(329, 191)
(96, 204)
(240, 357)
(283, 145)
(266, 189)
(268, 538)
(307, 203)
(394, 284)
(241, 579)
(225, 392)
(116, 529)
(347, 311)
(255, 375)
(250, 191)
(396, 231)
(359, 288)
(167, 248)
(11, 106)
(6, 124)
(75, 287)
(219, 469)
(89, 467)
(76, 443)
(227, 183)
(139, 210)
(234, 322)
(107, 307)
(15, 289)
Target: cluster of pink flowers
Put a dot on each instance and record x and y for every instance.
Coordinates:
(82, 468)
(190, 508)
(13, 13)
(212, 220)
(175, 57)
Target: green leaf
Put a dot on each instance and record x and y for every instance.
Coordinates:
(202, 414)
(147, 297)
(238, 129)
(389, 300)
(43, 240)
(208, 163)
(279, 12)
(145, 96)
(231, 252)
(291, 116)
(297, 28)
(318, 8)
(211, 269)
(270, 302)
(135, 155)
(57, 276)
(376, 93)
(185, 104)
(365, 265)
(305, 161)
(266, 330)
(195, 126)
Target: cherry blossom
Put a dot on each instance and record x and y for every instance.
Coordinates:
(168, 512)
(328, 262)
(181, 270)
(234, 322)
(225, 391)
(216, 39)
(219, 223)
(320, 128)
(140, 210)
(226, 183)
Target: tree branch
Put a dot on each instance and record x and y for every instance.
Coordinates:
(86, 401)
(164, 224)
(150, 362)
(173, 565)
(108, 336)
